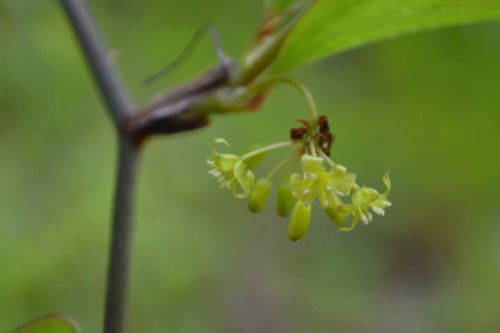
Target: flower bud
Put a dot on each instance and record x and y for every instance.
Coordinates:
(299, 223)
(334, 215)
(284, 200)
(259, 195)
(312, 164)
(269, 41)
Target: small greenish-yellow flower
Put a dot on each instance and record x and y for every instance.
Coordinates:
(231, 171)
(364, 201)
(316, 181)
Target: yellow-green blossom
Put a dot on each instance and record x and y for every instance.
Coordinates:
(315, 180)
(364, 201)
(231, 171)
(319, 178)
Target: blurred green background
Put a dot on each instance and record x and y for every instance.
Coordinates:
(424, 107)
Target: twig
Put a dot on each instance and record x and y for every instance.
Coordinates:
(115, 315)
(110, 85)
(165, 116)
(121, 109)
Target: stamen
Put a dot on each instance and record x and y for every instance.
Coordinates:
(215, 173)
(364, 218)
(378, 210)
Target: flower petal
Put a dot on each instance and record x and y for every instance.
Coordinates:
(226, 162)
(354, 223)
(312, 164)
(303, 188)
(326, 197)
(243, 175)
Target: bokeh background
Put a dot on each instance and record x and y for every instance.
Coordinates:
(425, 107)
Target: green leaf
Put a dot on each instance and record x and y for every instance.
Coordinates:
(333, 26)
(49, 324)
(279, 4)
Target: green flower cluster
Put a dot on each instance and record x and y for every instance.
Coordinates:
(319, 178)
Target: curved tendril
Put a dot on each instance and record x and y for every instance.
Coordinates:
(304, 91)
(267, 148)
(216, 142)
